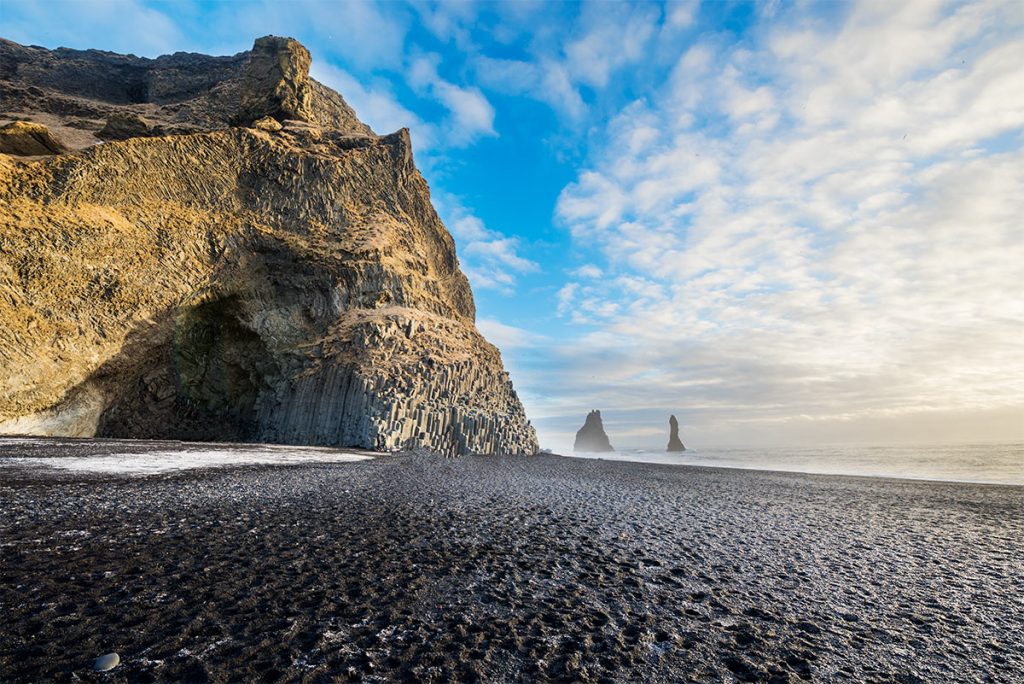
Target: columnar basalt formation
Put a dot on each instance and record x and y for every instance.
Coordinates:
(591, 437)
(243, 259)
(675, 444)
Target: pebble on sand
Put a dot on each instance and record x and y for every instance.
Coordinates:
(106, 662)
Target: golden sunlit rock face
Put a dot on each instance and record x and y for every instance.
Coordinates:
(208, 274)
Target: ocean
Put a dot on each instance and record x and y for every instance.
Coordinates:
(985, 463)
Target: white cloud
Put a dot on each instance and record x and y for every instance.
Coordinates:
(601, 42)
(126, 26)
(588, 271)
(449, 21)
(506, 336)
(472, 116)
(546, 80)
(565, 297)
(490, 259)
(682, 14)
(370, 34)
(467, 227)
(502, 251)
(376, 107)
(838, 241)
(615, 35)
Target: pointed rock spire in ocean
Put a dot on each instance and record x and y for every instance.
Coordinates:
(591, 437)
(674, 443)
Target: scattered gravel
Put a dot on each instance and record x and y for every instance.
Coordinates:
(508, 569)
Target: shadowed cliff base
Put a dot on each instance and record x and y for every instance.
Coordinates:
(286, 282)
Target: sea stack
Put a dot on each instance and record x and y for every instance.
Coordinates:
(591, 437)
(674, 443)
(241, 259)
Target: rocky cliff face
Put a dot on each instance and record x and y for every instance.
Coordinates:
(209, 273)
(78, 90)
(675, 444)
(591, 437)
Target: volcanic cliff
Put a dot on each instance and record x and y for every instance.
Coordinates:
(225, 252)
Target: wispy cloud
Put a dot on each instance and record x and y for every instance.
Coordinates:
(822, 224)
(368, 33)
(376, 105)
(472, 116)
(566, 295)
(507, 336)
(118, 25)
(547, 80)
(490, 259)
(613, 36)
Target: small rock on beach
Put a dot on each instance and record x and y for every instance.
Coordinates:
(106, 662)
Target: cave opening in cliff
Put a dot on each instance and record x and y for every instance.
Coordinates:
(221, 365)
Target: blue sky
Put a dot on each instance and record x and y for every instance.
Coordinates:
(783, 222)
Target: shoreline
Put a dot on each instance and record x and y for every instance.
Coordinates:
(509, 569)
(9, 443)
(864, 476)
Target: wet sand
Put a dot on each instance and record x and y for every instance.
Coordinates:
(508, 569)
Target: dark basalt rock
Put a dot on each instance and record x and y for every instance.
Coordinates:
(241, 259)
(28, 139)
(591, 437)
(179, 93)
(124, 125)
(674, 443)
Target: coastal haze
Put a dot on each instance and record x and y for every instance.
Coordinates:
(994, 463)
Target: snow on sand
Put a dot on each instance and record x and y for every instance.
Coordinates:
(127, 461)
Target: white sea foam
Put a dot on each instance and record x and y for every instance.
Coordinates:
(187, 458)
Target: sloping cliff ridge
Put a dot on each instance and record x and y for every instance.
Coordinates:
(242, 260)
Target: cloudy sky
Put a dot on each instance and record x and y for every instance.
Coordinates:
(786, 223)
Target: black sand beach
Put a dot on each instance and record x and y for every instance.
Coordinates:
(508, 569)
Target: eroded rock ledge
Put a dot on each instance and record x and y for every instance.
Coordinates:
(206, 275)
(180, 93)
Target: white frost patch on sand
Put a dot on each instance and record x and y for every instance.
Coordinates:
(156, 462)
